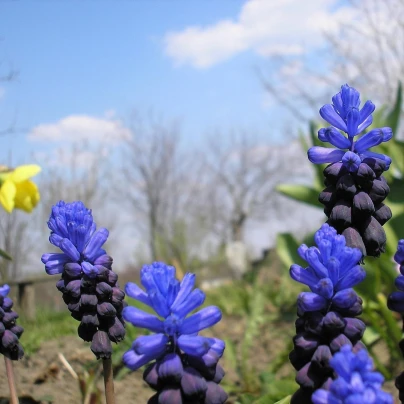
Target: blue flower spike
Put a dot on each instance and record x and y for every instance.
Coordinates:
(355, 381)
(355, 187)
(345, 115)
(184, 364)
(327, 315)
(88, 283)
(10, 332)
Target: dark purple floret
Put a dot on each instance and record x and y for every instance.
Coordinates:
(184, 366)
(355, 188)
(10, 332)
(88, 284)
(355, 381)
(326, 315)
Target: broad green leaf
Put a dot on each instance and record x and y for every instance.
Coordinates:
(301, 193)
(286, 248)
(393, 118)
(5, 255)
(267, 399)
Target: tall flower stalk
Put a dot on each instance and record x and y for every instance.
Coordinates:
(10, 333)
(355, 186)
(327, 315)
(184, 365)
(88, 283)
(330, 359)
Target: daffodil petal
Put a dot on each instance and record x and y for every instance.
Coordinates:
(23, 173)
(27, 196)
(8, 191)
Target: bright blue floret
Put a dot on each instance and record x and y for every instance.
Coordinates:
(344, 115)
(396, 299)
(332, 272)
(74, 232)
(356, 381)
(172, 301)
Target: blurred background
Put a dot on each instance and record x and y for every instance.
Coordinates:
(178, 123)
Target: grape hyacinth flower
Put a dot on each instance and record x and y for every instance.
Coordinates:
(185, 365)
(10, 332)
(88, 284)
(355, 187)
(326, 315)
(395, 303)
(356, 381)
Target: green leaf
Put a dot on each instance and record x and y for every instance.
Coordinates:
(286, 248)
(301, 193)
(267, 399)
(393, 118)
(5, 255)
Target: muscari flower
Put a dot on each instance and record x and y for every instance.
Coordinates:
(17, 191)
(326, 315)
(88, 284)
(396, 299)
(185, 367)
(356, 382)
(345, 115)
(10, 332)
(355, 188)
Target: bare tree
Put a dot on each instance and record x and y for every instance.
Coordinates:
(366, 51)
(160, 186)
(15, 240)
(242, 175)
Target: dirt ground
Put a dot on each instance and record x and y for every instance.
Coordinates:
(42, 377)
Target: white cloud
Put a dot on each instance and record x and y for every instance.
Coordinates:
(75, 128)
(267, 27)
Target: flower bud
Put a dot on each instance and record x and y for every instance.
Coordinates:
(9, 340)
(378, 166)
(101, 345)
(151, 377)
(88, 301)
(346, 186)
(373, 237)
(338, 342)
(341, 215)
(170, 368)
(365, 175)
(170, 395)
(193, 385)
(215, 394)
(354, 239)
(103, 290)
(73, 288)
(382, 213)
(106, 309)
(321, 359)
(379, 190)
(362, 206)
(334, 171)
(116, 331)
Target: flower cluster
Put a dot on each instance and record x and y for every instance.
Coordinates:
(88, 284)
(356, 381)
(10, 332)
(185, 365)
(326, 315)
(395, 302)
(355, 188)
(396, 299)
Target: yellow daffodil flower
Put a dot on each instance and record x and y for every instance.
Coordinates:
(16, 189)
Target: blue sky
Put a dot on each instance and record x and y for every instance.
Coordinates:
(104, 58)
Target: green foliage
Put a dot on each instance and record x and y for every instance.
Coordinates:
(48, 325)
(5, 255)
